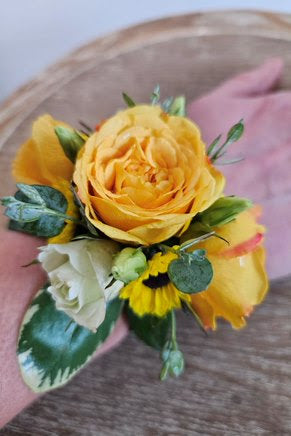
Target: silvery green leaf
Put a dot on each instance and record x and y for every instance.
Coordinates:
(212, 147)
(231, 161)
(233, 135)
(191, 272)
(23, 212)
(52, 348)
(166, 105)
(70, 140)
(176, 362)
(6, 201)
(31, 192)
(155, 97)
(235, 132)
(173, 360)
(178, 106)
(46, 219)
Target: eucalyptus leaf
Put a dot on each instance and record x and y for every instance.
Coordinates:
(52, 348)
(191, 272)
(70, 140)
(150, 329)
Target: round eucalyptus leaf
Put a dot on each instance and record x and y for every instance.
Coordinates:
(191, 273)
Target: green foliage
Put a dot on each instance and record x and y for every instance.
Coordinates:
(191, 272)
(84, 220)
(155, 97)
(195, 230)
(175, 106)
(178, 107)
(234, 134)
(70, 140)
(172, 357)
(152, 330)
(224, 210)
(37, 209)
(128, 100)
(52, 348)
(167, 103)
(173, 363)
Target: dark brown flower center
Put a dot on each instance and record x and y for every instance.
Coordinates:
(154, 282)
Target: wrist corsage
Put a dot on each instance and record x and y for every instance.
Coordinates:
(137, 223)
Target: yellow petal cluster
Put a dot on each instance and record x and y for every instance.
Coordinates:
(41, 161)
(144, 175)
(240, 281)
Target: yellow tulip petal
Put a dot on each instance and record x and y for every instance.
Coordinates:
(41, 159)
(240, 281)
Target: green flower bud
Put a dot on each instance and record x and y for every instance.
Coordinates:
(224, 210)
(129, 264)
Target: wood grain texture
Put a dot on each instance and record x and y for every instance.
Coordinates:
(236, 383)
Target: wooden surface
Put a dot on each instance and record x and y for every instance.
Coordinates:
(236, 383)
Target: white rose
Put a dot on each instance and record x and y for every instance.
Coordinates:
(80, 273)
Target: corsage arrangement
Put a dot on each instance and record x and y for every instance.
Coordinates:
(136, 222)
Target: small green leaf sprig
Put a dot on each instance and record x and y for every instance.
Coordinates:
(37, 209)
(172, 106)
(221, 212)
(172, 357)
(216, 150)
(71, 141)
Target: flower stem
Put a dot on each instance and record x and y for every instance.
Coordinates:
(174, 331)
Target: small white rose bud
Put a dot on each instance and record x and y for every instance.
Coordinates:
(80, 277)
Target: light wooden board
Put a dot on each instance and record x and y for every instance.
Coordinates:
(236, 383)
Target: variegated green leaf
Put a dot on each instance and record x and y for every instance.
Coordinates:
(52, 348)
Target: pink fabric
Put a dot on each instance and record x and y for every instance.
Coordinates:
(264, 175)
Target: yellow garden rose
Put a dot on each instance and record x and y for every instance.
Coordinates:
(144, 175)
(42, 161)
(240, 280)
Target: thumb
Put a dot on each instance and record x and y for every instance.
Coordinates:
(257, 81)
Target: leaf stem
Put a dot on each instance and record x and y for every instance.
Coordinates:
(174, 331)
(192, 242)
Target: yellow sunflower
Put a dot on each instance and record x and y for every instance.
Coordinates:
(153, 293)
